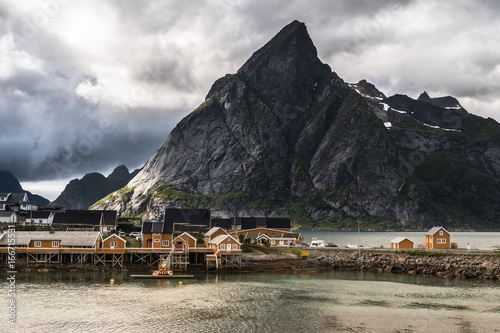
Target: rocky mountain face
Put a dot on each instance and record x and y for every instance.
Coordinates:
(82, 193)
(9, 183)
(286, 136)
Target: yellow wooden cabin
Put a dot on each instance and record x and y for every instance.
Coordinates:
(438, 238)
(225, 244)
(187, 240)
(402, 243)
(156, 235)
(114, 242)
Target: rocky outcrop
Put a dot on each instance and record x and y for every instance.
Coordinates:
(9, 183)
(82, 193)
(487, 267)
(287, 136)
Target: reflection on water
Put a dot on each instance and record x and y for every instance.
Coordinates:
(323, 302)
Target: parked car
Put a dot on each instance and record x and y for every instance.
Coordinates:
(135, 234)
(121, 234)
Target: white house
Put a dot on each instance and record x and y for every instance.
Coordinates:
(8, 217)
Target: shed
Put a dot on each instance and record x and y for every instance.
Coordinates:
(402, 243)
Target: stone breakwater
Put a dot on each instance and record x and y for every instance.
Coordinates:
(466, 266)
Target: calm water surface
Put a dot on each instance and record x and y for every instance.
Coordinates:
(478, 240)
(326, 302)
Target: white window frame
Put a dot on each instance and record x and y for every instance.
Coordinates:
(55, 243)
(282, 242)
(165, 243)
(223, 246)
(441, 240)
(273, 242)
(235, 246)
(157, 240)
(38, 244)
(440, 232)
(113, 244)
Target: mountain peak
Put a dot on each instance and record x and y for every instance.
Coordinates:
(424, 97)
(367, 89)
(290, 46)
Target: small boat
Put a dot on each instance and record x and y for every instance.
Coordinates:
(317, 243)
(163, 272)
(354, 246)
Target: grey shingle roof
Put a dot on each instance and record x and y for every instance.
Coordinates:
(67, 238)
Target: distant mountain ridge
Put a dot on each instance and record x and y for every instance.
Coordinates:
(82, 193)
(286, 136)
(9, 183)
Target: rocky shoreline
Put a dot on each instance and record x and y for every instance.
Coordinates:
(450, 266)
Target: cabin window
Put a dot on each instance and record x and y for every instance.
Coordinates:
(235, 246)
(38, 244)
(55, 244)
(440, 232)
(114, 244)
(223, 246)
(164, 243)
(157, 240)
(441, 241)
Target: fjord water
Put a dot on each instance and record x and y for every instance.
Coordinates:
(478, 240)
(320, 302)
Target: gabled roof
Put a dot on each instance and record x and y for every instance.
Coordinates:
(434, 230)
(400, 239)
(116, 236)
(6, 213)
(213, 231)
(67, 238)
(219, 239)
(157, 228)
(263, 236)
(188, 235)
(14, 197)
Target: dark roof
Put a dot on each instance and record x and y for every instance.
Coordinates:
(252, 235)
(110, 216)
(278, 223)
(78, 217)
(222, 223)
(151, 227)
(13, 198)
(187, 216)
(38, 214)
(248, 222)
(268, 222)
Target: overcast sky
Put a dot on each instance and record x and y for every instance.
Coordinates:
(88, 85)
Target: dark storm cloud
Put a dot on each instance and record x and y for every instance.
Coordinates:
(85, 86)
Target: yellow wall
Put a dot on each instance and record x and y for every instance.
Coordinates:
(431, 242)
(45, 243)
(149, 240)
(120, 244)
